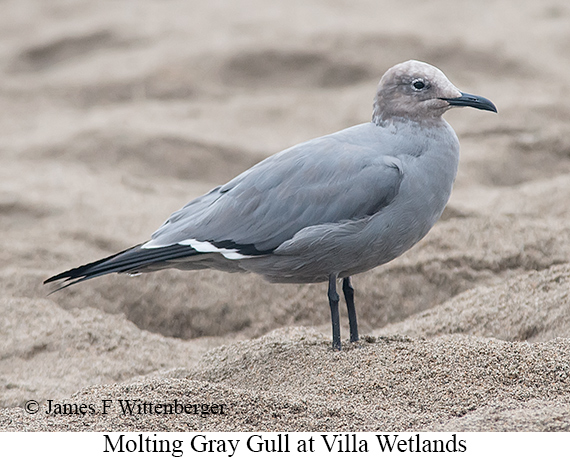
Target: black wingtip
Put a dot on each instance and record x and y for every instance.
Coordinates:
(65, 285)
(85, 272)
(64, 275)
(132, 260)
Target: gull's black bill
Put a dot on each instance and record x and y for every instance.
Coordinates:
(473, 101)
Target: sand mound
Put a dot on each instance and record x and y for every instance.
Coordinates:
(291, 380)
(531, 307)
(48, 352)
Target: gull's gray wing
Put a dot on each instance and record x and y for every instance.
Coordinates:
(330, 179)
(344, 176)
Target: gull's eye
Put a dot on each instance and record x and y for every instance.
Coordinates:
(418, 84)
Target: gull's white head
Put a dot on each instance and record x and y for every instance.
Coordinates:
(420, 92)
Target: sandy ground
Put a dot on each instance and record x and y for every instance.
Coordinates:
(114, 114)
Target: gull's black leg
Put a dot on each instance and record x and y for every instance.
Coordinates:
(333, 303)
(349, 297)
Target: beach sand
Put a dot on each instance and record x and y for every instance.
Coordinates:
(115, 114)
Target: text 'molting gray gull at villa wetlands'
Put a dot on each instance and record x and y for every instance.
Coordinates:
(325, 209)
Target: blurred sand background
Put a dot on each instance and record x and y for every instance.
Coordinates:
(116, 113)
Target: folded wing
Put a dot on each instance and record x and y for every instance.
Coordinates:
(313, 183)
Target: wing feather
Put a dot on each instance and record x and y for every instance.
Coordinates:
(313, 183)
